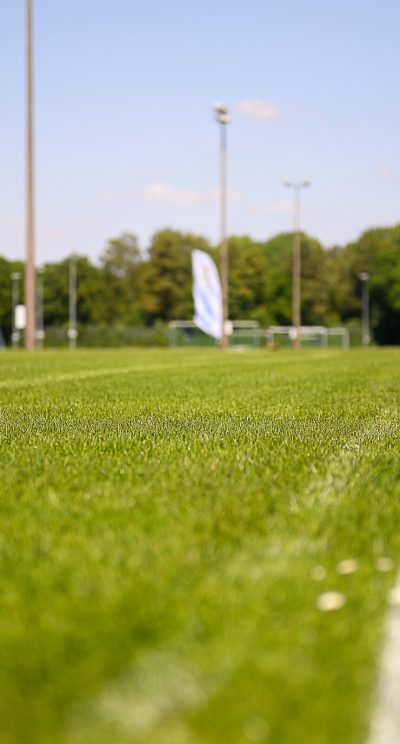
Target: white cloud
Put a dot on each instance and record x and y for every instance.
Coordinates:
(258, 109)
(157, 191)
(387, 174)
(164, 193)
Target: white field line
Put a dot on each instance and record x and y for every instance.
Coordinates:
(161, 685)
(343, 464)
(90, 373)
(385, 724)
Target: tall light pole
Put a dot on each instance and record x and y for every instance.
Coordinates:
(222, 117)
(15, 335)
(365, 332)
(72, 332)
(296, 282)
(39, 308)
(30, 220)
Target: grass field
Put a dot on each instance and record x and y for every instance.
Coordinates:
(161, 516)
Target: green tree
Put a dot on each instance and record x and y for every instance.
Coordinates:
(385, 295)
(317, 288)
(6, 269)
(90, 293)
(355, 258)
(278, 281)
(248, 269)
(165, 287)
(121, 263)
(317, 284)
(377, 251)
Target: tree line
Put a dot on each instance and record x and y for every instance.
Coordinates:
(130, 287)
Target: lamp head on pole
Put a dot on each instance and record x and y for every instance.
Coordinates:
(296, 184)
(364, 276)
(221, 113)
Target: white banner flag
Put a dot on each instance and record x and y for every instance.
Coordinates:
(207, 294)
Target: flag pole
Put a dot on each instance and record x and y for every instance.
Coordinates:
(30, 220)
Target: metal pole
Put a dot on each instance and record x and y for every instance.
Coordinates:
(222, 117)
(296, 265)
(366, 336)
(15, 277)
(296, 288)
(72, 332)
(30, 225)
(224, 240)
(39, 309)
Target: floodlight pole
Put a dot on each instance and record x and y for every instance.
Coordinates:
(296, 265)
(30, 221)
(224, 239)
(15, 277)
(366, 336)
(39, 308)
(222, 117)
(72, 332)
(296, 268)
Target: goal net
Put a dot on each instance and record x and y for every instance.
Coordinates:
(242, 333)
(314, 336)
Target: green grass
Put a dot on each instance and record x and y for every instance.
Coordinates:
(160, 515)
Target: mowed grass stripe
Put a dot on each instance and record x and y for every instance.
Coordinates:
(56, 366)
(54, 378)
(158, 538)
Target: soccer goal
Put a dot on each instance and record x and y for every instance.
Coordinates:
(242, 333)
(310, 336)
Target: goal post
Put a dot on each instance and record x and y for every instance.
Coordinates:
(242, 333)
(249, 334)
(310, 336)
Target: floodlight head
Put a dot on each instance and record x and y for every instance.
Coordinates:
(364, 276)
(220, 108)
(296, 184)
(221, 113)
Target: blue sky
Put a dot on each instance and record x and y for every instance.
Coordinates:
(125, 138)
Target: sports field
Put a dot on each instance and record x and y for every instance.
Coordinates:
(169, 520)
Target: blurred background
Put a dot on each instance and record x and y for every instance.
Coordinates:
(127, 163)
